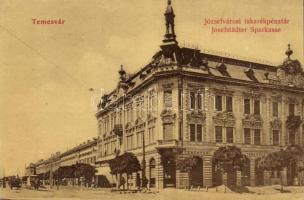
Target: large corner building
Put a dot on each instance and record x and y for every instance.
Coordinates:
(188, 103)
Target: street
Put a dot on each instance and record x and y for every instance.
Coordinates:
(257, 193)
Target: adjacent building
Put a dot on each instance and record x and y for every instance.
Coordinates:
(188, 103)
(83, 153)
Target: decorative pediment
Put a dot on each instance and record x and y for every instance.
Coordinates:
(225, 119)
(276, 124)
(196, 116)
(167, 86)
(138, 121)
(129, 125)
(253, 94)
(252, 121)
(277, 98)
(222, 91)
(168, 116)
(150, 118)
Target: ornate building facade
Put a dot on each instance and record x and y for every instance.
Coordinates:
(187, 103)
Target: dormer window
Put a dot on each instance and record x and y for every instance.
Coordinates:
(250, 74)
(222, 68)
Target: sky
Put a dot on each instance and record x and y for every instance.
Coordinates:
(46, 70)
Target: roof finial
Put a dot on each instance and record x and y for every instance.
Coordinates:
(169, 15)
(289, 52)
(122, 73)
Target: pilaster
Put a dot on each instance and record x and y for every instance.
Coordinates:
(252, 172)
(159, 173)
(267, 175)
(207, 171)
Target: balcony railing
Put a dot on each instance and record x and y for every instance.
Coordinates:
(118, 130)
(293, 122)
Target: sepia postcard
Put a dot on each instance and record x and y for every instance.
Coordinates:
(152, 99)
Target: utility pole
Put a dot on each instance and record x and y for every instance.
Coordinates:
(51, 174)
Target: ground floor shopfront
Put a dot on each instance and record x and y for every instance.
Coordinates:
(162, 169)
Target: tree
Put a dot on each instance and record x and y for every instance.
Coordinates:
(281, 160)
(229, 159)
(84, 170)
(125, 163)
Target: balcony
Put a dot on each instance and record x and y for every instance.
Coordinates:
(168, 144)
(293, 122)
(118, 130)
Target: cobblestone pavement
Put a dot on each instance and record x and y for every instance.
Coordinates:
(166, 194)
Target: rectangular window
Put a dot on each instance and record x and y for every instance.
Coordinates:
(228, 103)
(218, 134)
(180, 99)
(275, 109)
(229, 135)
(291, 109)
(247, 136)
(168, 131)
(256, 107)
(149, 136)
(192, 132)
(152, 135)
(199, 135)
(132, 113)
(247, 106)
(168, 98)
(192, 100)
(292, 138)
(180, 131)
(257, 136)
(138, 110)
(199, 101)
(139, 139)
(275, 137)
(218, 103)
(150, 101)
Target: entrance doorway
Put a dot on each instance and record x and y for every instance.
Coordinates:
(196, 174)
(152, 173)
(169, 171)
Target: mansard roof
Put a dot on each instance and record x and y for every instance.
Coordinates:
(191, 61)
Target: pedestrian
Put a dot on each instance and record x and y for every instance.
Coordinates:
(122, 182)
(138, 182)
